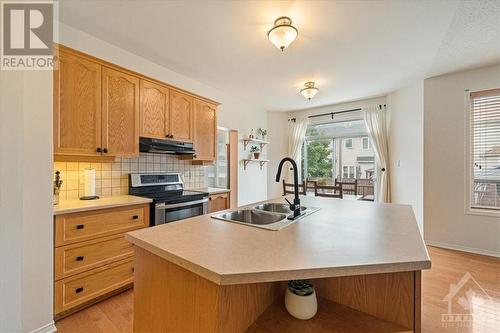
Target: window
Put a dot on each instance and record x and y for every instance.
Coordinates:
(348, 143)
(345, 172)
(485, 149)
(334, 151)
(366, 143)
(217, 174)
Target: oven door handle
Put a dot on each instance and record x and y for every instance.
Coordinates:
(182, 204)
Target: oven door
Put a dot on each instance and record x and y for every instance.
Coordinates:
(165, 213)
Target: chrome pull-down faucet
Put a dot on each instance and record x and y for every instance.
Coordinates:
(295, 206)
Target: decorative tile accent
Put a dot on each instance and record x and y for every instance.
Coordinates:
(112, 178)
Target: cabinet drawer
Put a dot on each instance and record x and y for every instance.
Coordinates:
(77, 258)
(84, 287)
(78, 227)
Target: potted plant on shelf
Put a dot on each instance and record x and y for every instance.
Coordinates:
(255, 151)
(262, 133)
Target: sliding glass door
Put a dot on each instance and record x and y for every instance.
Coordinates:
(340, 152)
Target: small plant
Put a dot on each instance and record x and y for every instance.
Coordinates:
(300, 287)
(255, 151)
(262, 132)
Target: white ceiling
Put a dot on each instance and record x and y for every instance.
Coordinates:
(352, 49)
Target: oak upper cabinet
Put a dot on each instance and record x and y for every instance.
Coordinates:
(77, 106)
(155, 111)
(120, 113)
(181, 116)
(205, 130)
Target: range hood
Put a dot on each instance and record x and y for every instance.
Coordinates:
(158, 146)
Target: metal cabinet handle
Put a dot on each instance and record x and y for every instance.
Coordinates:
(78, 290)
(80, 226)
(80, 258)
(99, 149)
(105, 150)
(135, 217)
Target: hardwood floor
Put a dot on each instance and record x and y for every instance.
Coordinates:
(448, 267)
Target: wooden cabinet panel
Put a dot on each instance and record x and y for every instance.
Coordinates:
(84, 287)
(155, 113)
(120, 113)
(77, 106)
(217, 202)
(181, 116)
(78, 227)
(205, 130)
(80, 257)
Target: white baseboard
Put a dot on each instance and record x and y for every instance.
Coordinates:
(463, 248)
(49, 328)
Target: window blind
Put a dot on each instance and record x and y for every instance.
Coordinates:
(485, 149)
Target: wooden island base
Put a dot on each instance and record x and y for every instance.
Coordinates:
(169, 298)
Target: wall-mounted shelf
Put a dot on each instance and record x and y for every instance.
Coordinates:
(261, 162)
(261, 143)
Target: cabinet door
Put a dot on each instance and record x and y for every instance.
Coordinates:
(155, 113)
(77, 106)
(181, 116)
(205, 130)
(120, 113)
(218, 202)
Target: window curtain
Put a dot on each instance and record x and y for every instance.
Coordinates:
(375, 123)
(296, 135)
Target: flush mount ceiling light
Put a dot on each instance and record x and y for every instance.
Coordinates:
(309, 91)
(283, 33)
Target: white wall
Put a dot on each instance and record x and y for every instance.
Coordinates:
(277, 128)
(445, 220)
(26, 228)
(235, 114)
(405, 111)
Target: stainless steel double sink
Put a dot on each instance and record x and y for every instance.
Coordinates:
(271, 216)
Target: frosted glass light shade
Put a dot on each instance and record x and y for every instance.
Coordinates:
(309, 91)
(283, 33)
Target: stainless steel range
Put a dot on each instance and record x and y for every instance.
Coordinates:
(170, 201)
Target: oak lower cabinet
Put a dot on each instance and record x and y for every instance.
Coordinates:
(92, 259)
(77, 106)
(120, 113)
(181, 113)
(217, 202)
(205, 130)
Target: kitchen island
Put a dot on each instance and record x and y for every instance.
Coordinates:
(206, 275)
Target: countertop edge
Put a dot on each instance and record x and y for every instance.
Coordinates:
(137, 201)
(259, 277)
(210, 190)
(190, 266)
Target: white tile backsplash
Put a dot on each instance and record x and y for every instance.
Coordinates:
(112, 178)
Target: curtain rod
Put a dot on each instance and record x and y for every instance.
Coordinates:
(335, 112)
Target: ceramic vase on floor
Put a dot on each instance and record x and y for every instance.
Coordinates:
(300, 300)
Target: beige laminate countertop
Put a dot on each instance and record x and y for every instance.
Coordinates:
(211, 190)
(345, 237)
(74, 206)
